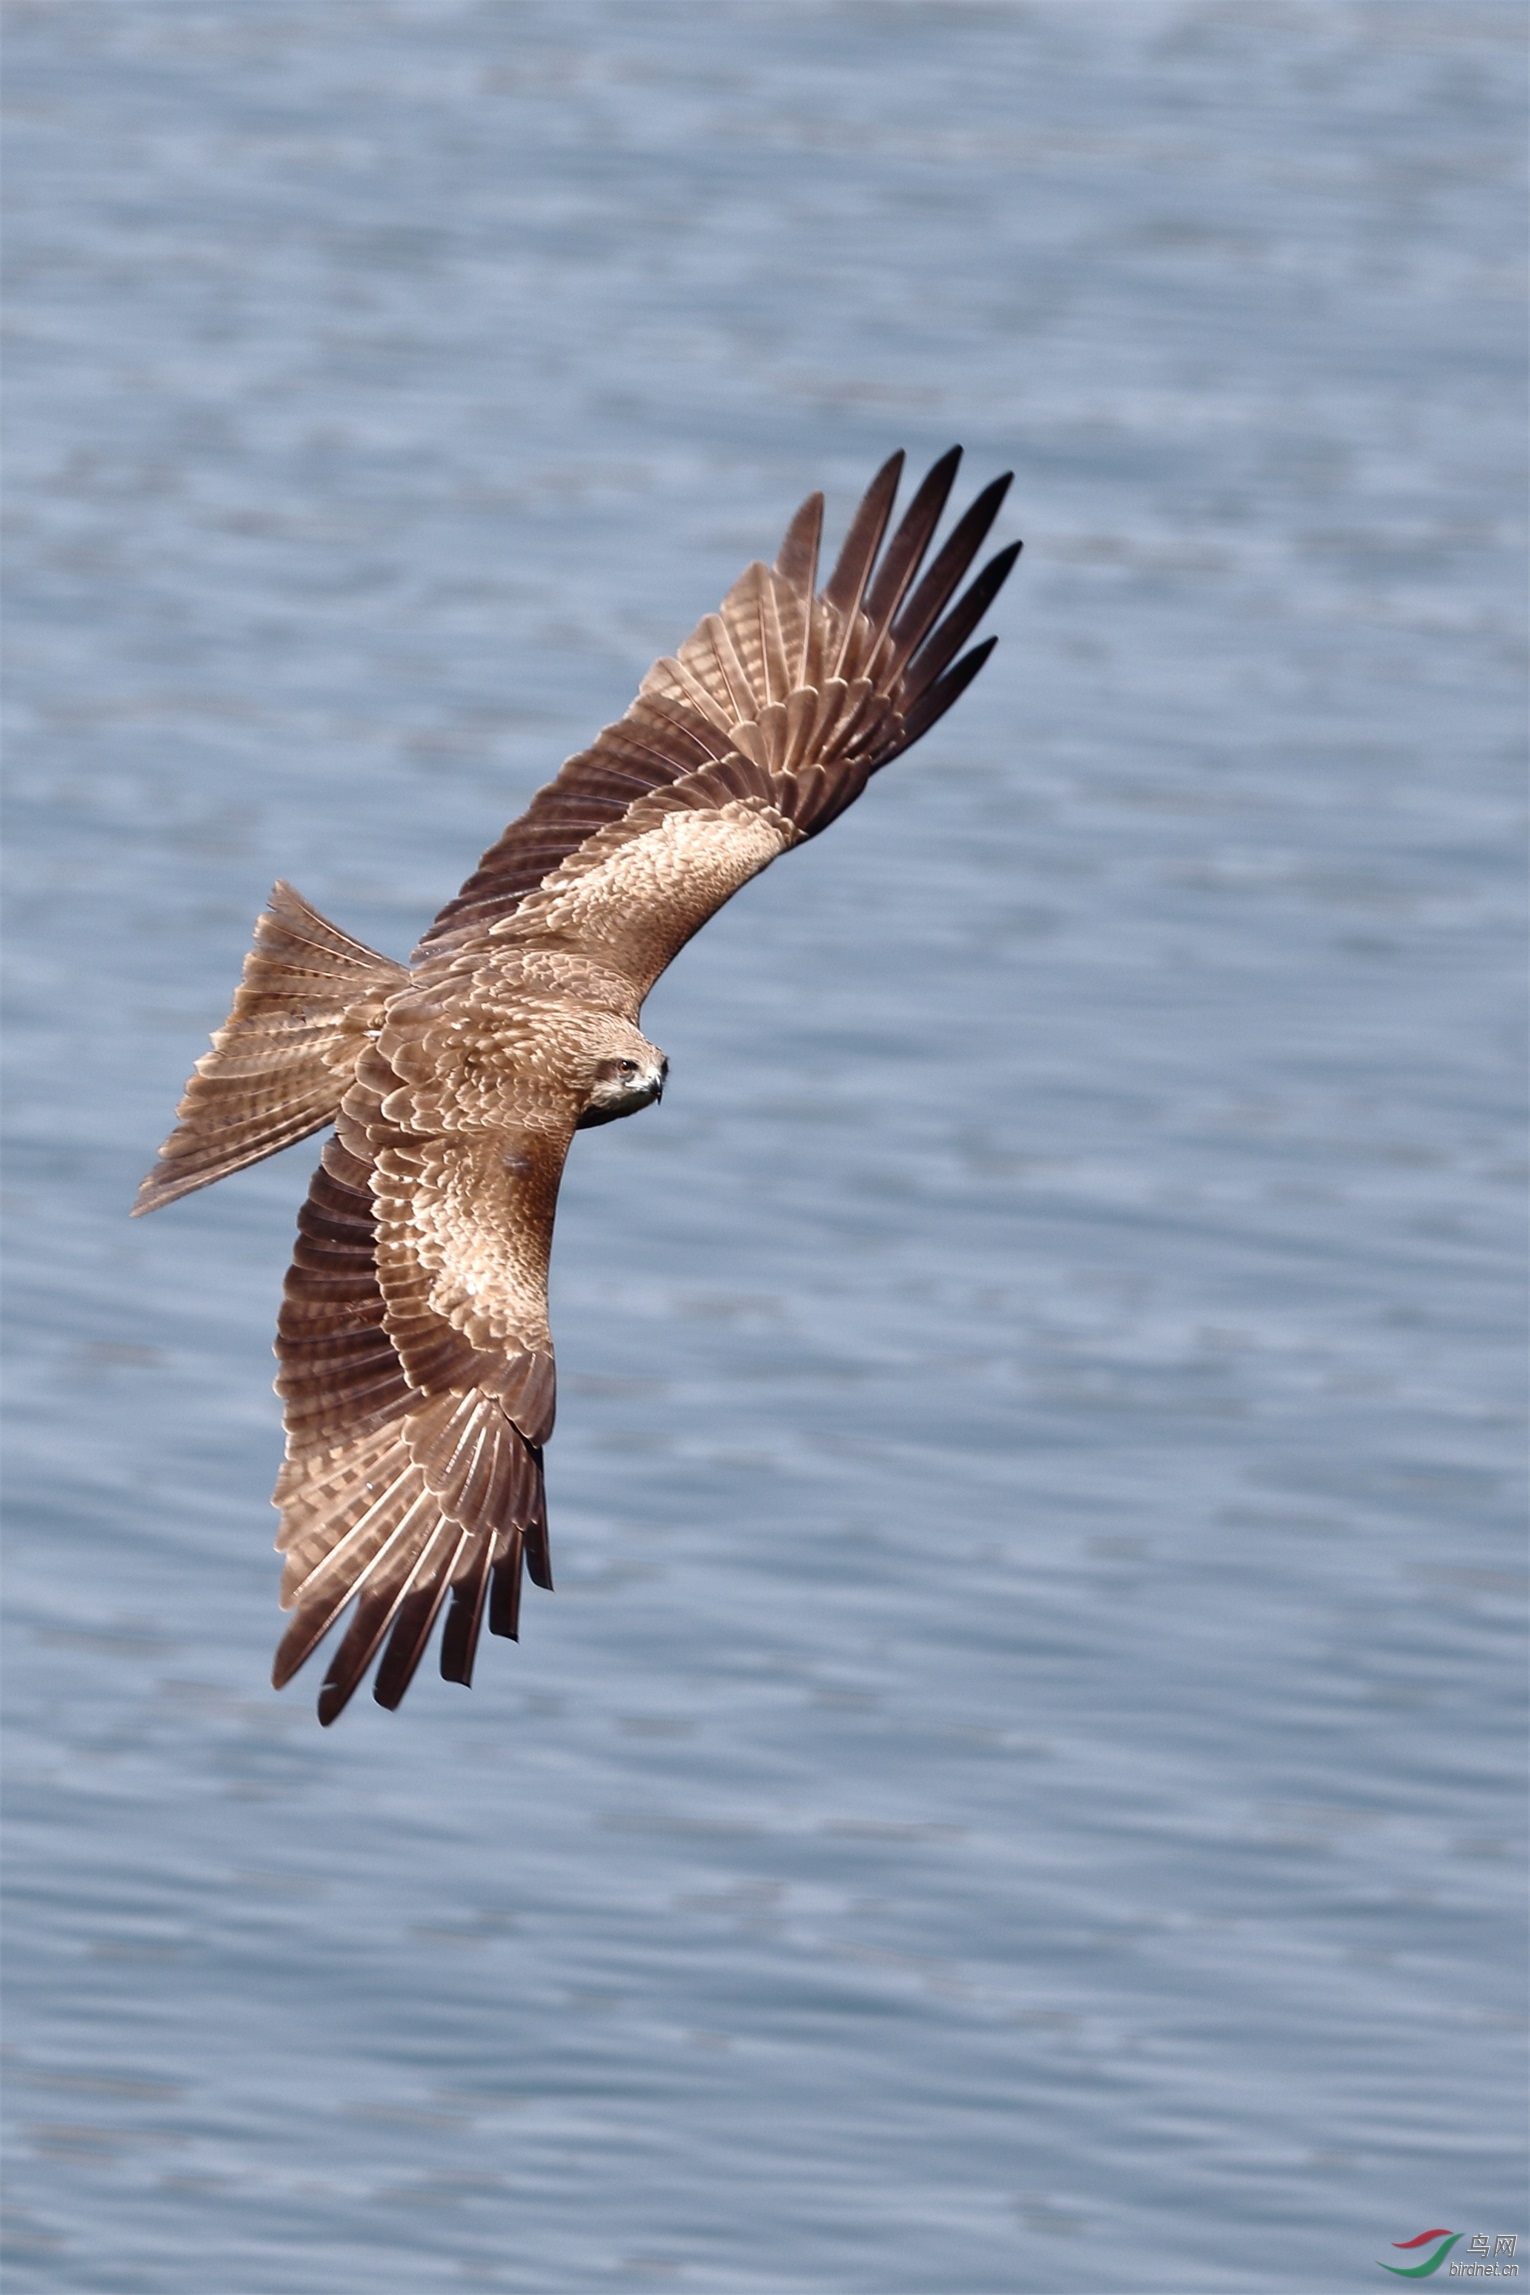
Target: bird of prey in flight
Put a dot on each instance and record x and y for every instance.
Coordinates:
(416, 1361)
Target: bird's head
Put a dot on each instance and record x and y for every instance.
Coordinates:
(622, 1072)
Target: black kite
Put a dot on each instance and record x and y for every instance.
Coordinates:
(416, 1361)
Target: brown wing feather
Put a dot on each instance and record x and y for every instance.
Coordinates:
(658, 741)
(417, 1613)
(816, 691)
(846, 586)
(470, 1595)
(417, 1373)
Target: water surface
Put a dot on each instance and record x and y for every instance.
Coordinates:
(1018, 1786)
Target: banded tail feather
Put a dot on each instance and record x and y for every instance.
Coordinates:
(284, 1057)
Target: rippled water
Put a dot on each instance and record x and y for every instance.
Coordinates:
(1017, 1789)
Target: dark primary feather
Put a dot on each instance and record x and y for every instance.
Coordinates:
(797, 560)
(944, 693)
(418, 1611)
(900, 560)
(505, 1594)
(459, 1637)
(846, 586)
(948, 639)
(962, 545)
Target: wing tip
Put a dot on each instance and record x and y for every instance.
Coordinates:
(846, 585)
(333, 1701)
(797, 558)
(154, 1195)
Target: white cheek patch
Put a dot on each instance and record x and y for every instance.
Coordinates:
(673, 876)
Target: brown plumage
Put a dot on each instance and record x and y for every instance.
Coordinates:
(416, 1361)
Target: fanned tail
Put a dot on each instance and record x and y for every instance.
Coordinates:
(285, 1055)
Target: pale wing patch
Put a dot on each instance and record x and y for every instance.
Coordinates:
(658, 888)
(464, 1229)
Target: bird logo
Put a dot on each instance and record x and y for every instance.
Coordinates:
(1426, 2269)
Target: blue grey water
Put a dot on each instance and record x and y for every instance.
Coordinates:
(1018, 1788)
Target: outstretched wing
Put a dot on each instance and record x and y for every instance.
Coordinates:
(767, 723)
(417, 1370)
